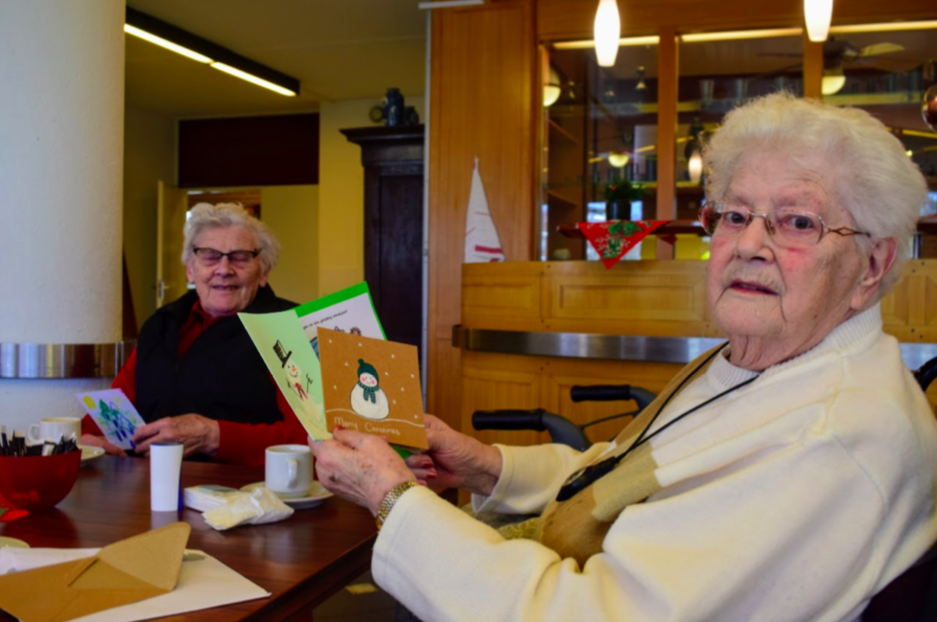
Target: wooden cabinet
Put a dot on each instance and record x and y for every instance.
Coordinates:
(393, 226)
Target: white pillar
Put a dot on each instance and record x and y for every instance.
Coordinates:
(61, 163)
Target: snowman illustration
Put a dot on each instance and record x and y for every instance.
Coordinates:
(367, 398)
(294, 379)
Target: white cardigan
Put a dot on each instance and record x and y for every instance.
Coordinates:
(797, 497)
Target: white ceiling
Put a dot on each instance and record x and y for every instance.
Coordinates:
(338, 49)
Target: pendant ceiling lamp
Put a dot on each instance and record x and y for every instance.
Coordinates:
(607, 32)
(818, 14)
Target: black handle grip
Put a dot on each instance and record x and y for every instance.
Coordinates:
(508, 419)
(601, 393)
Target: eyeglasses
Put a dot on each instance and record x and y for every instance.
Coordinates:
(210, 257)
(788, 226)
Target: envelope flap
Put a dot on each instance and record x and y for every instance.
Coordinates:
(86, 602)
(154, 557)
(41, 594)
(102, 576)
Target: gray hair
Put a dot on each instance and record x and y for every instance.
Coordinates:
(872, 177)
(206, 216)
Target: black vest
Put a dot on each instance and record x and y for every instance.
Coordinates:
(221, 376)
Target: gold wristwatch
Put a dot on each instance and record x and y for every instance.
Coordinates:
(388, 503)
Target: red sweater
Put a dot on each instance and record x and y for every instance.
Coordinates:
(241, 443)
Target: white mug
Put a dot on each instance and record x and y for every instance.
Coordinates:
(288, 470)
(54, 428)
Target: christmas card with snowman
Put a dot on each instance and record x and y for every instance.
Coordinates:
(373, 386)
(282, 344)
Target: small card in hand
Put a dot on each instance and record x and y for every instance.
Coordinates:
(114, 414)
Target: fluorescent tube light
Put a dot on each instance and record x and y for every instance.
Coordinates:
(169, 45)
(732, 35)
(204, 51)
(884, 27)
(243, 75)
(585, 44)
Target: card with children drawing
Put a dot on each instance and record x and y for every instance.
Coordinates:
(114, 414)
(372, 386)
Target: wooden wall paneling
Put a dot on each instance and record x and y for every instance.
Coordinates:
(563, 374)
(500, 381)
(508, 298)
(572, 19)
(909, 312)
(653, 298)
(668, 70)
(483, 80)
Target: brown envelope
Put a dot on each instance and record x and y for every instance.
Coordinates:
(134, 569)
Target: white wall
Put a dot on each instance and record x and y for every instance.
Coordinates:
(341, 193)
(292, 212)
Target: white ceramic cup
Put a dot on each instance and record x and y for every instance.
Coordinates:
(288, 470)
(166, 476)
(54, 428)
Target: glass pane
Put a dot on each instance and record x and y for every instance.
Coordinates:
(888, 74)
(715, 77)
(602, 126)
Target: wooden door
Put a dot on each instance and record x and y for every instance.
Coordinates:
(171, 209)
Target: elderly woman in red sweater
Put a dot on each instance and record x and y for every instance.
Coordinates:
(195, 375)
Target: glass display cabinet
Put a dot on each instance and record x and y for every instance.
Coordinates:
(600, 124)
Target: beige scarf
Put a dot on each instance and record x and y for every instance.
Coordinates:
(576, 527)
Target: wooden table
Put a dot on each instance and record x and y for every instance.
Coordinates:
(301, 561)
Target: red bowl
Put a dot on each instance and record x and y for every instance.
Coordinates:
(38, 482)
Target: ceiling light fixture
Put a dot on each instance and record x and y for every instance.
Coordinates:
(833, 81)
(884, 27)
(733, 35)
(618, 160)
(191, 46)
(585, 44)
(607, 32)
(818, 14)
(169, 45)
(552, 88)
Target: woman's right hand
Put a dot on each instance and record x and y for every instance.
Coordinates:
(455, 460)
(99, 441)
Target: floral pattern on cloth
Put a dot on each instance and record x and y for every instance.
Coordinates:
(613, 238)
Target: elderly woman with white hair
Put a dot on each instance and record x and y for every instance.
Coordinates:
(195, 375)
(786, 475)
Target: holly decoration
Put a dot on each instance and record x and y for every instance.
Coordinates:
(612, 239)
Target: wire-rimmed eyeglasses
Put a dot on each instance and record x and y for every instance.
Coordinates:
(789, 226)
(210, 257)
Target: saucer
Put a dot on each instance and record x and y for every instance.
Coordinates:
(316, 495)
(90, 452)
(13, 543)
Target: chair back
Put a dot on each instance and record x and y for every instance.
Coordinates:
(913, 595)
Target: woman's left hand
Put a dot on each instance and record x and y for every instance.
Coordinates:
(359, 467)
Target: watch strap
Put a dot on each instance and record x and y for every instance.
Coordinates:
(388, 503)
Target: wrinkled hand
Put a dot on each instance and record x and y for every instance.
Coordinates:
(198, 434)
(455, 460)
(99, 441)
(359, 467)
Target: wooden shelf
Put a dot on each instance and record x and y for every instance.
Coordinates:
(562, 131)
